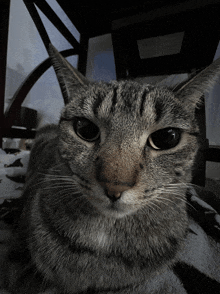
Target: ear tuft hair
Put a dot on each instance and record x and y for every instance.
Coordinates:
(192, 90)
(67, 75)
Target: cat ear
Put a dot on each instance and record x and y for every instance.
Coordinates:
(191, 91)
(67, 75)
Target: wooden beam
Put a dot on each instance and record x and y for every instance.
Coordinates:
(161, 12)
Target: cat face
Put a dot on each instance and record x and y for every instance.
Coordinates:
(129, 146)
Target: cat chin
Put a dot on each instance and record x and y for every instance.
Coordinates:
(113, 210)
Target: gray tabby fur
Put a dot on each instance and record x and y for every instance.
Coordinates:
(79, 240)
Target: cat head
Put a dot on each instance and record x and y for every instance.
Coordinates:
(129, 145)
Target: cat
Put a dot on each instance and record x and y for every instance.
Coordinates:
(105, 194)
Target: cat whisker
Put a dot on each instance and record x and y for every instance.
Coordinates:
(53, 175)
(62, 185)
(67, 193)
(57, 177)
(180, 197)
(158, 199)
(170, 200)
(68, 201)
(171, 189)
(82, 203)
(187, 185)
(71, 194)
(153, 204)
(59, 181)
(64, 189)
(152, 207)
(56, 166)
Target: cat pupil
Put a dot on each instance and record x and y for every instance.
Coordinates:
(165, 139)
(86, 130)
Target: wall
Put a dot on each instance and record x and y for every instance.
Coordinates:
(100, 64)
(213, 111)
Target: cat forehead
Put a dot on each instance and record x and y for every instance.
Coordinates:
(127, 91)
(126, 97)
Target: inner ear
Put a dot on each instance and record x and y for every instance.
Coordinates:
(68, 77)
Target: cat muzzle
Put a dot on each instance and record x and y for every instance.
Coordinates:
(113, 196)
(113, 191)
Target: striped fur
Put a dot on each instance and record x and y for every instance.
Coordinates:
(77, 239)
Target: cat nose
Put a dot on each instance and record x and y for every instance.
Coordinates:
(113, 192)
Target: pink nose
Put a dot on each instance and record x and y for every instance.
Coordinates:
(113, 191)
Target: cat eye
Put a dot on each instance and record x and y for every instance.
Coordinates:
(165, 138)
(86, 130)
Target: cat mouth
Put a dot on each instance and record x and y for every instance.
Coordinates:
(114, 210)
(114, 206)
(111, 204)
(118, 209)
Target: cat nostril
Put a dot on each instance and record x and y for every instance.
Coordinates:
(114, 191)
(112, 195)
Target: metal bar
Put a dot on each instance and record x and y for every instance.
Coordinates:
(38, 23)
(4, 25)
(213, 153)
(82, 60)
(26, 86)
(18, 133)
(55, 20)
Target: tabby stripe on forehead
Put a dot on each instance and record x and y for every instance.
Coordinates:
(97, 104)
(114, 100)
(143, 98)
(159, 110)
